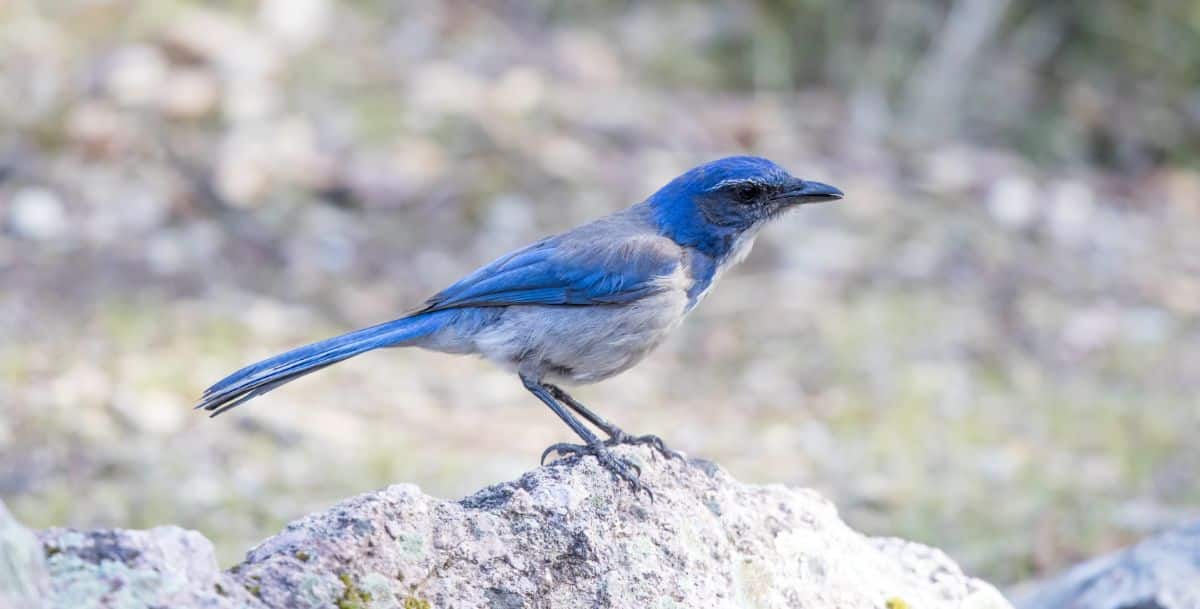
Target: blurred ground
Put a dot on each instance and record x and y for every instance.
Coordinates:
(989, 347)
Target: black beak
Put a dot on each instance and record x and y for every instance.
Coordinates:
(809, 192)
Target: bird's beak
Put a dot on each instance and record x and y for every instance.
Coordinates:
(809, 192)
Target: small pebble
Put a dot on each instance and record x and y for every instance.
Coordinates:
(37, 213)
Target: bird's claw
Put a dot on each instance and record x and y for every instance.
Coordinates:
(650, 440)
(619, 467)
(563, 449)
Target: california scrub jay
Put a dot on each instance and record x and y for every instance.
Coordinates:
(580, 306)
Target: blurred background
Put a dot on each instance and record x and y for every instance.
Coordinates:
(992, 345)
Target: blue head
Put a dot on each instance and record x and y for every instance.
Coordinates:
(711, 206)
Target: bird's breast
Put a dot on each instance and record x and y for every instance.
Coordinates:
(581, 344)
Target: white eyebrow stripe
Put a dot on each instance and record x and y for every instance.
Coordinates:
(732, 181)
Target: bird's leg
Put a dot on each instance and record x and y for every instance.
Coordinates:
(621, 468)
(615, 434)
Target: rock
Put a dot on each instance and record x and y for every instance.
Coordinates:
(161, 567)
(1072, 211)
(566, 535)
(37, 213)
(1162, 572)
(98, 128)
(297, 23)
(442, 88)
(1013, 201)
(190, 93)
(243, 171)
(136, 75)
(237, 51)
(24, 580)
(518, 91)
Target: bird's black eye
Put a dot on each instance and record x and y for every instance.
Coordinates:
(748, 192)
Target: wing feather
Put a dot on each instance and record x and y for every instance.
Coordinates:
(564, 270)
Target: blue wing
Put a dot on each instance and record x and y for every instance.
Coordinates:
(566, 270)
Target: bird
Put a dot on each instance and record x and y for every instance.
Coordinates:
(580, 306)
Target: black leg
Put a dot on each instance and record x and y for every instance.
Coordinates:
(615, 434)
(620, 468)
(542, 393)
(600, 422)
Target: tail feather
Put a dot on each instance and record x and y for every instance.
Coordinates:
(257, 379)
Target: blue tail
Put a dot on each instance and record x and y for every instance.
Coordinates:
(257, 379)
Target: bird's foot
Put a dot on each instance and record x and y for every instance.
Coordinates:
(650, 440)
(621, 468)
(563, 449)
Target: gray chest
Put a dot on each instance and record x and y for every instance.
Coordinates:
(582, 344)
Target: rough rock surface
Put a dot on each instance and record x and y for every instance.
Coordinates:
(160, 567)
(1162, 572)
(565, 535)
